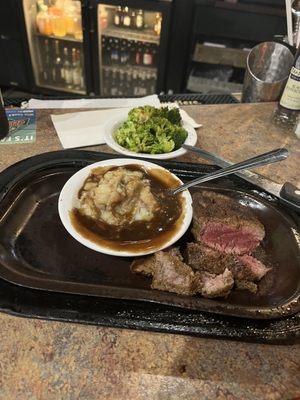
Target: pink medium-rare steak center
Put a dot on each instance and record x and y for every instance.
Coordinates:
(228, 239)
(221, 223)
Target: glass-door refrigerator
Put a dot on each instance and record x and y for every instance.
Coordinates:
(130, 41)
(57, 45)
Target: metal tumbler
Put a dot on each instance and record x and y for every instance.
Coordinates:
(268, 67)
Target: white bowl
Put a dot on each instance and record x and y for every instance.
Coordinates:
(113, 124)
(68, 200)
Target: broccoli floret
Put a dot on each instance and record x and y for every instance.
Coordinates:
(179, 137)
(152, 130)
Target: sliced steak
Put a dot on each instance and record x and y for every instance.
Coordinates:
(143, 265)
(246, 285)
(203, 258)
(173, 275)
(248, 268)
(215, 285)
(225, 225)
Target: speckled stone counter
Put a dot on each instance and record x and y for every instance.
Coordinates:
(52, 360)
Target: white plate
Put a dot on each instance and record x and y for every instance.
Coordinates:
(68, 199)
(113, 124)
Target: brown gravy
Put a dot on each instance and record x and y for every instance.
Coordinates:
(140, 235)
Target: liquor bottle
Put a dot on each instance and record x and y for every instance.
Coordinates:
(139, 55)
(57, 70)
(107, 60)
(118, 17)
(154, 54)
(289, 103)
(147, 56)
(4, 124)
(115, 52)
(121, 85)
(82, 77)
(76, 69)
(126, 18)
(67, 68)
(114, 83)
(124, 53)
(140, 20)
(132, 51)
(157, 24)
(133, 19)
(46, 67)
(106, 82)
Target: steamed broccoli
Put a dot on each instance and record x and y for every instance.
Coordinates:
(152, 130)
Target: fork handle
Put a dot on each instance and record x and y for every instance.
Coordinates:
(257, 161)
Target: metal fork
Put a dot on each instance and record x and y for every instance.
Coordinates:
(262, 159)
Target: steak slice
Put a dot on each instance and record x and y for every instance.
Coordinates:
(215, 285)
(173, 275)
(203, 258)
(143, 265)
(248, 268)
(223, 224)
(246, 285)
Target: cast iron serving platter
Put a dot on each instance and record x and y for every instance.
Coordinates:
(36, 252)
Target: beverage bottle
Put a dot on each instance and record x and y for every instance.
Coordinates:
(82, 78)
(57, 70)
(132, 52)
(126, 18)
(152, 85)
(4, 124)
(140, 20)
(46, 68)
(289, 103)
(68, 75)
(135, 84)
(157, 24)
(58, 22)
(107, 53)
(43, 20)
(76, 69)
(128, 84)
(115, 52)
(114, 84)
(139, 55)
(123, 53)
(133, 19)
(154, 54)
(121, 85)
(103, 18)
(105, 82)
(118, 17)
(147, 56)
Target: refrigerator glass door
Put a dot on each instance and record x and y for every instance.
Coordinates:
(129, 42)
(54, 30)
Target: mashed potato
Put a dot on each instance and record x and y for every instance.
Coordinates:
(118, 197)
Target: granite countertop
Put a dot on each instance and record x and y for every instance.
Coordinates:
(54, 360)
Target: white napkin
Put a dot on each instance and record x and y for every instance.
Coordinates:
(95, 103)
(87, 128)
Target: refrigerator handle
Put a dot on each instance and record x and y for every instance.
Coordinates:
(92, 21)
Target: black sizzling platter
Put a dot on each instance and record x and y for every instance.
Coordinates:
(37, 252)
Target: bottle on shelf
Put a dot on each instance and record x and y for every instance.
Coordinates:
(76, 69)
(118, 17)
(57, 70)
(133, 19)
(46, 75)
(124, 53)
(114, 83)
(115, 52)
(67, 68)
(289, 103)
(43, 19)
(140, 20)
(139, 55)
(157, 24)
(126, 18)
(103, 18)
(58, 22)
(147, 56)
